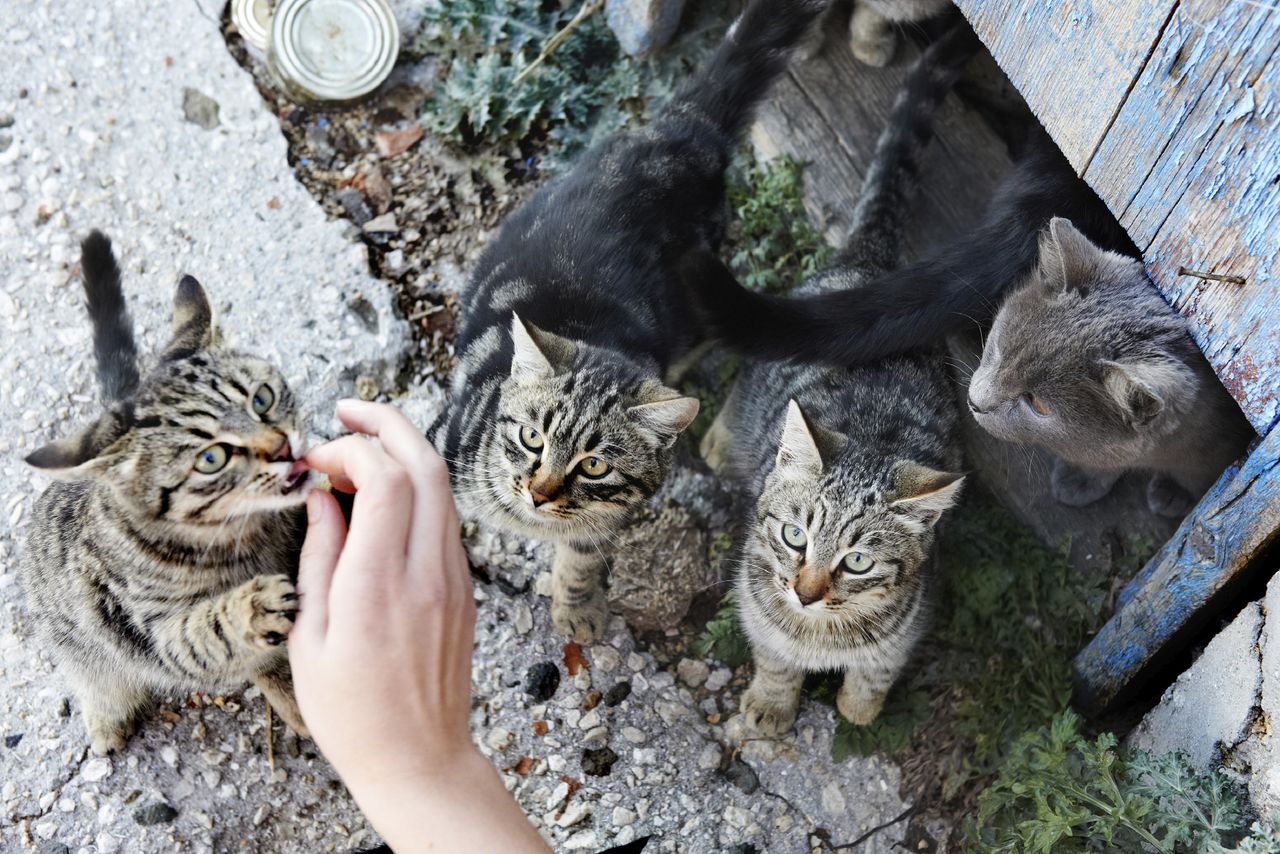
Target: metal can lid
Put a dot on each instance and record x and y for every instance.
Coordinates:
(334, 50)
(253, 19)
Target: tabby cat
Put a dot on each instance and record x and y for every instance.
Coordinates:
(561, 420)
(858, 468)
(161, 558)
(1088, 361)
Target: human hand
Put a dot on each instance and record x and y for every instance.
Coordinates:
(381, 651)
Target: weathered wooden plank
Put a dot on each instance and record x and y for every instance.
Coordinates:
(1191, 166)
(1232, 524)
(828, 113)
(1073, 60)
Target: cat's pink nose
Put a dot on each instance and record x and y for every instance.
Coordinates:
(807, 598)
(538, 498)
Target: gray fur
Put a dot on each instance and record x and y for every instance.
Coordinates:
(873, 34)
(861, 462)
(144, 575)
(1090, 341)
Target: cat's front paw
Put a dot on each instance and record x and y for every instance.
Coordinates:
(872, 39)
(106, 735)
(1166, 497)
(858, 707)
(1078, 487)
(266, 607)
(767, 714)
(584, 621)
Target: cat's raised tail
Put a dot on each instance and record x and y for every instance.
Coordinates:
(113, 344)
(754, 52)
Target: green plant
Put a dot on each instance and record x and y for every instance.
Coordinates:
(1063, 792)
(773, 246)
(723, 637)
(491, 94)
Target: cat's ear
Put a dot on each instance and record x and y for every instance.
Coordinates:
(95, 450)
(537, 354)
(925, 493)
(1068, 259)
(1141, 387)
(662, 413)
(192, 321)
(804, 446)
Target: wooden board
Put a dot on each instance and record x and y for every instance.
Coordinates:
(1073, 60)
(1175, 593)
(1192, 168)
(829, 111)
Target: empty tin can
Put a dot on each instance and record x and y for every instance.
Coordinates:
(333, 50)
(253, 19)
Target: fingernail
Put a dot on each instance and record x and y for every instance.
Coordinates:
(351, 403)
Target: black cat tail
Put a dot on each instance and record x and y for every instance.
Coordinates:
(756, 50)
(113, 344)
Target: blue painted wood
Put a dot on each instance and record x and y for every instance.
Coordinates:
(1234, 522)
(1072, 60)
(1191, 166)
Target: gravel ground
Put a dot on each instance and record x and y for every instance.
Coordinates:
(136, 119)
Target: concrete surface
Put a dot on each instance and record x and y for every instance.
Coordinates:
(132, 117)
(1223, 709)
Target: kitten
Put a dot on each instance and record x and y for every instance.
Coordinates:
(848, 470)
(873, 34)
(1088, 361)
(561, 420)
(161, 559)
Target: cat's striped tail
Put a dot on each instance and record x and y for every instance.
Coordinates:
(755, 51)
(113, 345)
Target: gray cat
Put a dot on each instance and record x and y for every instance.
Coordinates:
(161, 558)
(1088, 361)
(847, 471)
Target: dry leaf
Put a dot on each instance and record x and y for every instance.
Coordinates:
(393, 142)
(574, 660)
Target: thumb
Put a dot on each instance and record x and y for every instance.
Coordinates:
(326, 533)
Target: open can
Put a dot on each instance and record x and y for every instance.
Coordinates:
(253, 19)
(333, 50)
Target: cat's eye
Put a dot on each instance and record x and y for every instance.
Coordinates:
(857, 563)
(531, 439)
(1037, 404)
(263, 399)
(594, 467)
(212, 459)
(794, 536)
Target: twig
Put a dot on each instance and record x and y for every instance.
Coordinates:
(588, 9)
(1213, 277)
(271, 740)
(873, 831)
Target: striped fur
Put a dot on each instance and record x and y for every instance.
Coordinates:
(144, 574)
(847, 481)
(575, 316)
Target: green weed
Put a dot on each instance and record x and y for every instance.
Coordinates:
(723, 637)
(772, 245)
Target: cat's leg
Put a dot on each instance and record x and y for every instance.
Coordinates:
(773, 698)
(229, 631)
(579, 608)
(1167, 497)
(719, 436)
(811, 45)
(872, 37)
(862, 694)
(276, 683)
(1075, 486)
(110, 705)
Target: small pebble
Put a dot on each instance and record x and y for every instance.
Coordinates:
(598, 761)
(719, 678)
(96, 769)
(634, 735)
(155, 813)
(541, 681)
(693, 672)
(619, 692)
(622, 817)
(574, 813)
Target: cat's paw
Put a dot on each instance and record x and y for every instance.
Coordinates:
(858, 707)
(715, 444)
(583, 622)
(1077, 487)
(876, 51)
(266, 607)
(765, 714)
(107, 735)
(1166, 497)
